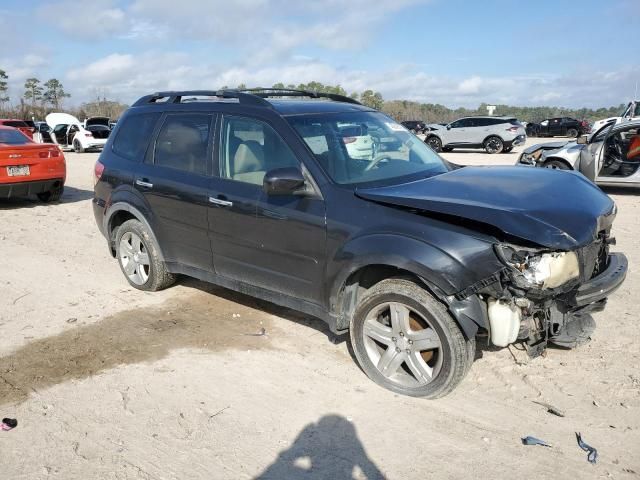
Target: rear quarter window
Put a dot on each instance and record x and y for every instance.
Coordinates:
(134, 135)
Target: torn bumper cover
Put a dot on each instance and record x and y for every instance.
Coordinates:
(547, 297)
(603, 285)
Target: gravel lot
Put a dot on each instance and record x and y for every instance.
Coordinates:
(108, 382)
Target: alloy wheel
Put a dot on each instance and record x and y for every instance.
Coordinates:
(402, 345)
(134, 258)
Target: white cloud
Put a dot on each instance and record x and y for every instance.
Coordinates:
(87, 20)
(128, 76)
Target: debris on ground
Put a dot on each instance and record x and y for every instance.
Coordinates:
(592, 455)
(550, 409)
(8, 424)
(262, 332)
(535, 441)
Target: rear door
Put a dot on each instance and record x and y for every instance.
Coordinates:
(273, 242)
(555, 126)
(175, 180)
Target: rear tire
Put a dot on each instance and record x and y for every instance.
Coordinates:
(493, 145)
(139, 258)
(53, 195)
(572, 133)
(507, 149)
(77, 146)
(435, 143)
(407, 342)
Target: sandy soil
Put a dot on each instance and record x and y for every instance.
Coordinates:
(111, 383)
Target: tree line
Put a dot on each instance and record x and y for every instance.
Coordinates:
(38, 99)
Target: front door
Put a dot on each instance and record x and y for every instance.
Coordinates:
(620, 154)
(175, 179)
(273, 242)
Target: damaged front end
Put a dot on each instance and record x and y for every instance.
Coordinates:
(544, 296)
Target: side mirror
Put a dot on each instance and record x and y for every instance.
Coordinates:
(582, 139)
(283, 181)
(448, 127)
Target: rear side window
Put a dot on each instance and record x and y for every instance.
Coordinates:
(134, 134)
(182, 143)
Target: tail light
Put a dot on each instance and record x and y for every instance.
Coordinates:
(349, 139)
(97, 172)
(88, 135)
(512, 129)
(51, 153)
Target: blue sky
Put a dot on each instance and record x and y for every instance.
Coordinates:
(459, 53)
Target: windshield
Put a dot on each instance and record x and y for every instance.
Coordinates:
(12, 137)
(364, 147)
(599, 135)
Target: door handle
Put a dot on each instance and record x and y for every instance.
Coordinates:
(222, 203)
(144, 184)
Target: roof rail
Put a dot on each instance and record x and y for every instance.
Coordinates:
(177, 96)
(269, 92)
(248, 96)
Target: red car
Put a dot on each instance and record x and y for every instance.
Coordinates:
(21, 125)
(28, 168)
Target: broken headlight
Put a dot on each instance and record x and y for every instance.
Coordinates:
(531, 269)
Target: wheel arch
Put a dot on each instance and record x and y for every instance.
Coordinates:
(429, 267)
(118, 213)
(558, 159)
(491, 136)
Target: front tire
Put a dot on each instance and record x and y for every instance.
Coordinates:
(139, 259)
(435, 143)
(407, 342)
(493, 145)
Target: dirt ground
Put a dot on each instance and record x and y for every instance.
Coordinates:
(108, 382)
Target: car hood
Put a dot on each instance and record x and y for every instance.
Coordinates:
(54, 119)
(546, 146)
(555, 209)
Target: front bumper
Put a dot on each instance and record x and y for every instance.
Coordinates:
(24, 189)
(601, 286)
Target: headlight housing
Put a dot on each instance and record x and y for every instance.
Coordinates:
(532, 269)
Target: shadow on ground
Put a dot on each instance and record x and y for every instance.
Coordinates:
(329, 448)
(71, 195)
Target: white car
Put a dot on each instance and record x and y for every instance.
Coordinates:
(70, 134)
(630, 113)
(359, 143)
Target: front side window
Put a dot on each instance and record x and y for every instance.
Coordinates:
(182, 143)
(363, 147)
(250, 148)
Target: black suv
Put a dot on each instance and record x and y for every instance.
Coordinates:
(261, 192)
(561, 126)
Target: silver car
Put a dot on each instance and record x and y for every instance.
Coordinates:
(610, 156)
(494, 134)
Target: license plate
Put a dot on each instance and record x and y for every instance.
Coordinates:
(21, 171)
